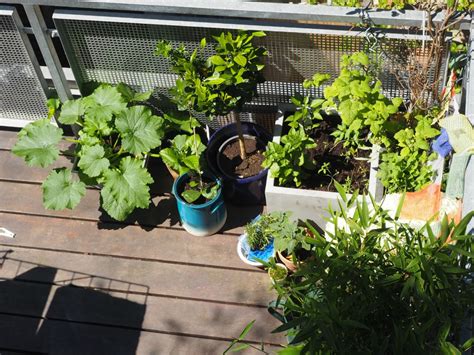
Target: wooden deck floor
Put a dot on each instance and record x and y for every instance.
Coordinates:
(75, 282)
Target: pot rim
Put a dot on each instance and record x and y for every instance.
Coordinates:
(179, 181)
(249, 179)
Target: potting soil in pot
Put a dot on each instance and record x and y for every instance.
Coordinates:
(333, 162)
(232, 163)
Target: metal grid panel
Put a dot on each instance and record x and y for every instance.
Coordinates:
(117, 48)
(22, 89)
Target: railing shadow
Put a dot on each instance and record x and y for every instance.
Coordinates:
(59, 311)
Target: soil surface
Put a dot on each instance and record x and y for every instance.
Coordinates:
(232, 163)
(332, 164)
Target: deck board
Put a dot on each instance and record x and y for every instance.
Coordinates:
(143, 286)
(155, 245)
(97, 340)
(123, 309)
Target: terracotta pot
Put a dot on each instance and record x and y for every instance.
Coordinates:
(173, 173)
(287, 262)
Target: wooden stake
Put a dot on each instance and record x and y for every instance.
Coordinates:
(236, 117)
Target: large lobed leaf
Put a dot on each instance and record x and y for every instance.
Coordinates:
(37, 143)
(71, 111)
(60, 191)
(139, 129)
(126, 188)
(92, 161)
(100, 107)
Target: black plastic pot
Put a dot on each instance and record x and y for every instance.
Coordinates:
(245, 191)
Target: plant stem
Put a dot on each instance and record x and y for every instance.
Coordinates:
(201, 184)
(236, 117)
(72, 140)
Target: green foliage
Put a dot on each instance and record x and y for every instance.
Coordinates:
(180, 122)
(377, 286)
(288, 236)
(184, 153)
(197, 187)
(37, 143)
(462, 5)
(125, 188)
(219, 83)
(115, 136)
(404, 167)
(61, 191)
(356, 96)
(368, 118)
(139, 129)
(278, 272)
(260, 232)
(288, 161)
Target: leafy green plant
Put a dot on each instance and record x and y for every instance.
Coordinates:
(261, 231)
(356, 95)
(288, 161)
(198, 187)
(115, 136)
(221, 83)
(185, 156)
(288, 236)
(278, 272)
(379, 286)
(404, 167)
(184, 153)
(308, 109)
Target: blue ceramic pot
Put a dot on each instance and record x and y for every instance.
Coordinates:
(245, 191)
(200, 220)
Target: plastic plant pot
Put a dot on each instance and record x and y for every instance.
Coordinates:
(278, 274)
(248, 256)
(201, 219)
(239, 191)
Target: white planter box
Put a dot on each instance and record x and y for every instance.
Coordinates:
(310, 204)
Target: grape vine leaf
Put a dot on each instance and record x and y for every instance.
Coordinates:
(60, 191)
(139, 129)
(38, 143)
(92, 161)
(71, 111)
(126, 188)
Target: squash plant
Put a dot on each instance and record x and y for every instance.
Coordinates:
(115, 135)
(221, 83)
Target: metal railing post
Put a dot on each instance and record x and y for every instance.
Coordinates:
(48, 51)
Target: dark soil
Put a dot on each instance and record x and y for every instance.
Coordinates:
(343, 169)
(232, 163)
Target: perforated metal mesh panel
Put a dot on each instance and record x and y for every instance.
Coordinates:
(111, 49)
(22, 92)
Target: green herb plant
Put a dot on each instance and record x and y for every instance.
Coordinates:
(277, 272)
(221, 83)
(404, 167)
(379, 286)
(116, 133)
(184, 153)
(288, 161)
(364, 110)
(185, 156)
